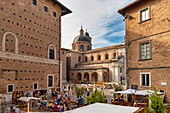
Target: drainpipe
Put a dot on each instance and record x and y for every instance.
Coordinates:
(59, 48)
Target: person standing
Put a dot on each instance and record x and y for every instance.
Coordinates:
(55, 108)
(78, 102)
(84, 93)
(44, 104)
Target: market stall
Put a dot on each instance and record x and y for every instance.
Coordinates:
(27, 100)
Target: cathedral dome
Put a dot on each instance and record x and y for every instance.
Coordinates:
(82, 37)
(86, 34)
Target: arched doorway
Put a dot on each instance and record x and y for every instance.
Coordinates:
(86, 76)
(94, 77)
(105, 77)
(79, 76)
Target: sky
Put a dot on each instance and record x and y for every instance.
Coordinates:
(101, 19)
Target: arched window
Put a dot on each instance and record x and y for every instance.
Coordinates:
(92, 58)
(75, 47)
(10, 42)
(114, 55)
(99, 57)
(106, 56)
(86, 59)
(82, 48)
(88, 48)
(51, 52)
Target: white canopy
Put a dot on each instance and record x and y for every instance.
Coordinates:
(142, 92)
(129, 91)
(104, 108)
(27, 99)
(145, 92)
(108, 83)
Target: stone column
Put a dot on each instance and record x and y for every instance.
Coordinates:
(90, 77)
(82, 76)
(100, 76)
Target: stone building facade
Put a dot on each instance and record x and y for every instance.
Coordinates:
(30, 42)
(148, 44)
(93, 65)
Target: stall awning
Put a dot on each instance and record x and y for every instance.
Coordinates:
(105, 108)
(27, 99)
(129, 91)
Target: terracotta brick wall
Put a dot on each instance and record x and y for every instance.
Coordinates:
(35, 30)
(156, 30)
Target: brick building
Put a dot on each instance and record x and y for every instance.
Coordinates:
(30, 42)
(83, 63)
(148, 44)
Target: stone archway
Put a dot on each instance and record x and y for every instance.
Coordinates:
(105, 77)
(4, 38)
(86, 76)
(79, 76)
(94, 77)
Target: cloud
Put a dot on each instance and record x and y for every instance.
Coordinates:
(100, 17)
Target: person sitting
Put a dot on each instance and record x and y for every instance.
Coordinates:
(119, 100)
(67, 108)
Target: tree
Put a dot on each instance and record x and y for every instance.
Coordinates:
(97, 97)
(79, 91)
(156, 105)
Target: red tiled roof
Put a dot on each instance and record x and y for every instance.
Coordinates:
(122, 11)
(104, 48)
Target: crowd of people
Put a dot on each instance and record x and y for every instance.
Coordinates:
(61, 100)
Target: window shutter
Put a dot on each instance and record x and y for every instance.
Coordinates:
(143, 79)
(143, 15)
(147, 79)
(148, 50)
(147, 14)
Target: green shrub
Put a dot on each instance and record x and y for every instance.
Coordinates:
(97, 97)
(156, 105)
(118, 88)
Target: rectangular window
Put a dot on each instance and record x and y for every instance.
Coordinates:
(34, 2)
(106, 56)
(54, 14)
(114, 55)
(85, 59)
(50, 81)
(92, 58)
(79, 59)
(120, 69)
(99, 57)
(35, 86)
(51, 54)
(145, 52)
(10, 88)
(144, 15)
(45, 9)
(145, 79)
